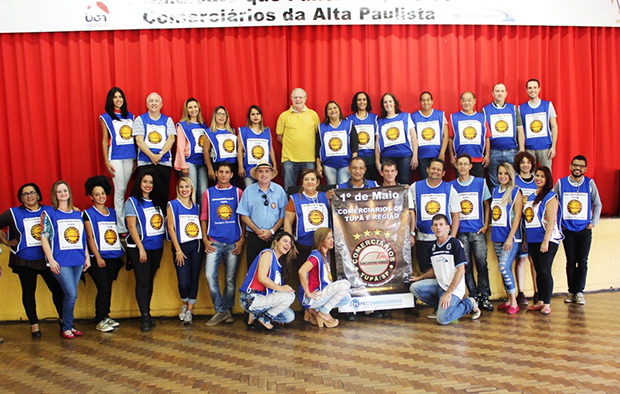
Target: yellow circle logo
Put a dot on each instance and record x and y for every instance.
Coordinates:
(125, 132)
(258, 152)
(536, 126)
(335, 144)
(363, 138)
(228, 145)
(428, 134)
(392, 134)
(470, 133)
(574, 207)
(35, 231)
(154, 137)
(224, 212)
(501, 126)
(110, 237)
(497, 213)
(191, 230)
(529, 214)
(72, 235)
(432, 207)
(315, 217)
(467, 207)
(157, 221)
(201, 141)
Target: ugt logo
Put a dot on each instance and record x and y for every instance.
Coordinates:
(97, 12)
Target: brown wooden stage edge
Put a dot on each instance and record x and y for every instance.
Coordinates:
(574, 350)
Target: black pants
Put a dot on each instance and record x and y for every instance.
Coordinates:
(577, 248)
(145, 274)
(254, 247)
(103, 278)
(543, 263)
(28, 280)
(162, 173)
(188, 274)
(423, 254)
(477, 170)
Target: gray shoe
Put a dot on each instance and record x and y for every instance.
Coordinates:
(112, 322)
(579, 299)
(188, 317)
(229, 318)
(570, 298)
(433, 315)
(182, 314)
(217, 319)
(104, 326)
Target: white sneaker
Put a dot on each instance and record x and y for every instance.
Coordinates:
(104, 326)
(475, 312)
(112, 322)
(570, 298)
(579, 299)
(182, 314)
(433, 315)
(188, 317)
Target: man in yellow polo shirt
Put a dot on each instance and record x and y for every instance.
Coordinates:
(296, 130)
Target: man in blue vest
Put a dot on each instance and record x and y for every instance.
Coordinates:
(475, 200)
(581, 210)
(223, 237)
(506, 127)
(540, 125)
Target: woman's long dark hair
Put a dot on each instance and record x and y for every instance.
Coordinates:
(136, 191)
(109, 104)
(354, 106)
(288, 258)
(546, 187)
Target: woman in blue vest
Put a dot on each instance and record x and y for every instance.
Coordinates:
(506, 208)
(365, 123)
(432, 133)
(336, 145)
(191, 136)
(28, 259)
(221, 145)
(253, 145)
(64, 243)
(119, 149)
(264, 296)
(185, 234)
(317, 293)
(543, 233)
(105, 247)
(396, 138)
(145, 243)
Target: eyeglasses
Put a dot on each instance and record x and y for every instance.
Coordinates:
(264, 197)
(26, 194)
(578, 166)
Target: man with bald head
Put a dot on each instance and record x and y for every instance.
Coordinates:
(154, 134)
(470, 134)
(296, 130)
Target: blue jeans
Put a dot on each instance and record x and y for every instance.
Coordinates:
(69, 278)
(248, 181)
(291, 170)
(423, 163)
(286, 316)
(505, 260)
(498, 157)
(188, 274)
(223, 252)
(336, 176)
(403, 165)
(198, 175)
(429, 292)
(476, 243)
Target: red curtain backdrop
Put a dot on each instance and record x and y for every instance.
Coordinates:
(54, 84)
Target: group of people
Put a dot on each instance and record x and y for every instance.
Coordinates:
(527, 217)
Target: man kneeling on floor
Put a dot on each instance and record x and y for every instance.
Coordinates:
(443, 286)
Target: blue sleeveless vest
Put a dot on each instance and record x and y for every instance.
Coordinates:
(224, 224)
(366, 133)
(393, 134)
(105, 233)
(429, 131)
(195, 134)
(335, 144)
(501, 217)
(256, 147)
(186, 222)
(536, 125)
(223, 146)
(122, 145)
(469, 134)
(151, 222)
(575, 204)
(323, 279)
(155, 136)
(68, 241)
(251, 279)
(503, 126)
(472, 210)
(311, 214)
(28, 224)
(430, 202)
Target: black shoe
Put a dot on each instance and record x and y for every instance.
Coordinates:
(36, 334)
(146, 323)
(387, 314)
(376, 314)
(351, 317)
(152, 322)
(485, 304)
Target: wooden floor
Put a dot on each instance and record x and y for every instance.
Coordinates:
(575, 350)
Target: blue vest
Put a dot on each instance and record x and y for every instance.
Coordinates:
(105, 233)
(471, 199)
(251, 279)
(429, 131)
(501, 217)
(311, 214)
(223, 146)
(348, 185)
(534, 217)
(151, 222)
(335, 144)
(256, 147)
(68, 241)
(186, 222)
(503, 126)
(323, 279)
(28, 224)
(575, 204)
(527, 188)
(224, 224)
(429, 202)
(195, 134)
(122, 145)
(393, 134)
(155, 136)
(366, 133)
(469, 134)
(536, 125)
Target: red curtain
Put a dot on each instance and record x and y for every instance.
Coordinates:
(54, 84)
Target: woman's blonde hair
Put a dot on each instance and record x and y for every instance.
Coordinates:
(191, 184)
(320, 235)
(55, 198)
(185, 116)
(507, 199)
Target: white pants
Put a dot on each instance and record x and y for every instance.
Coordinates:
(121, 179)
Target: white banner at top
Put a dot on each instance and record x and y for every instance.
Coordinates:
(19, 16)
